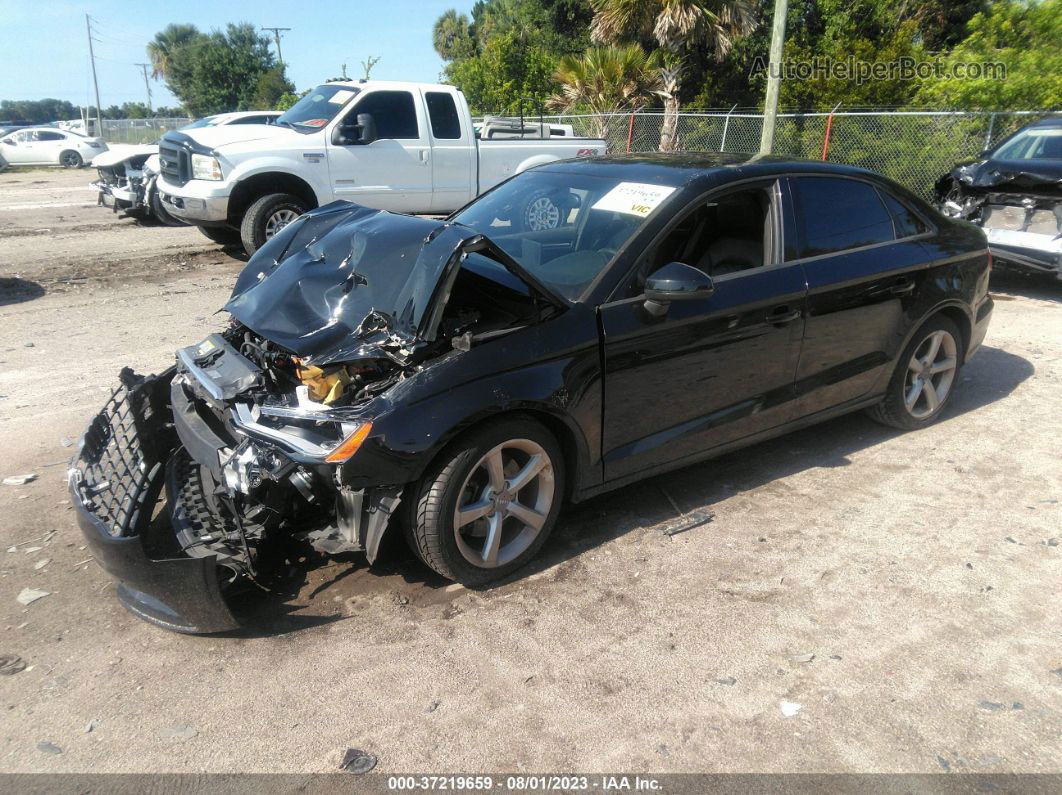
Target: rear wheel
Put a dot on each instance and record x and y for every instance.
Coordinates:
(539, 212)
(222, 235)
(487, 507)
(925, 375)
(267, 216)
(70, 159)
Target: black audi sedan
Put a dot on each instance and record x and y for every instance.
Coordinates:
(579, 327)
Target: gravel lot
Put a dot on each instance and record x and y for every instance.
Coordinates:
(902, 589)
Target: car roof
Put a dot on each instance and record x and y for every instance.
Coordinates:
(678, 169)
(1050, 121)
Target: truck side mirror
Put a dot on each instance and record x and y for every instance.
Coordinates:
(366, 128)
(361, 132)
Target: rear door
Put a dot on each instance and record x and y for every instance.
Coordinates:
(711, 370)
(394, 171)
(859, 248)
(453, 152)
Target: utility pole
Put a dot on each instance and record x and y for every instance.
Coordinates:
(774, 76)
(276, 36)
(147, 85)
(95, 83)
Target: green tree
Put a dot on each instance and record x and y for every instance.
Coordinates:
(605, 81)
(160, 50)
(272, 85)
(504, 75)
(37, 111)
(220, 71)
(451, 36)
(675, 26)
(1027, 39)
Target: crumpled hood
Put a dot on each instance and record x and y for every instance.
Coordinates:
(344, 282)
(1010, 173)
(226, 134)
(114, 156)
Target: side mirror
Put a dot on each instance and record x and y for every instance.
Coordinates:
(366, 128)
(676, 281)
(362, 131)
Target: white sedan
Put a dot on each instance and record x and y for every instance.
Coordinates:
(49, 146)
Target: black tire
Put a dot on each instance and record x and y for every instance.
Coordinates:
(893, 410)
(431, 528)
(70, 159)
(222, 235)
(256, 229)
(162, 215)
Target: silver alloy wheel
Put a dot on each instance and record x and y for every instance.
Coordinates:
(278, 221)
(930, 374)
(503, 503)
(542, 214)
(71, 159)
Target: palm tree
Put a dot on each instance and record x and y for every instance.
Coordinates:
(160, 51)
(450, 36)
(674, 25)
(606, 81)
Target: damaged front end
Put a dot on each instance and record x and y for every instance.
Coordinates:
(1019, 208)
(123, 180)
(190, 484)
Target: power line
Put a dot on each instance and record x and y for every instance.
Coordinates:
(276, 35)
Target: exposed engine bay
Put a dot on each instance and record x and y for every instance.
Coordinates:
(216, 465)
(126, 183)
(1018, 205)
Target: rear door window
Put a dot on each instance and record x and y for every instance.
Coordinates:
(442, 110)
(45, 135)
(394, 113)
(837, 214)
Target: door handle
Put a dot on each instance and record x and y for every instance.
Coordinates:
(902, 287)
(783, 315)
(424, 156)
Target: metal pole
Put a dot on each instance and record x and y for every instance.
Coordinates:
(774, 76)
(147, 85)
(630, 133)
(95, 84)
(991, 127)
(726, 125)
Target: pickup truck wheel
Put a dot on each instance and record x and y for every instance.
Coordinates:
(222, 235)
(539, 212)
(488, 504)
(267, 216)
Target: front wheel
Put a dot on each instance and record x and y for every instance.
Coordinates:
(71, 159)
(925, 375)
(487, 507)
(267, 216)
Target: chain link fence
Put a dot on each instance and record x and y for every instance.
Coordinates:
(912, 147)
(139, 131)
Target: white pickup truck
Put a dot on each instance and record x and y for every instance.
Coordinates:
(407, 147)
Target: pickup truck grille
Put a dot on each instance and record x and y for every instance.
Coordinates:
(174, 162)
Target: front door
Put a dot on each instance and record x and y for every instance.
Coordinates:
(394, 171)
(18, 147)
(711, 370)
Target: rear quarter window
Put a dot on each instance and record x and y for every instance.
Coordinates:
(442, 111)
(905, 221)
(836, 214)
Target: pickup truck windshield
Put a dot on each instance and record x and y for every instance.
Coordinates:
(317, 108)
(563, 228)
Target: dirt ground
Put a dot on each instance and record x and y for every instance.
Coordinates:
(863, 601)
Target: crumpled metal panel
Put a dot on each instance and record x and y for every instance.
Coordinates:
(345, 280)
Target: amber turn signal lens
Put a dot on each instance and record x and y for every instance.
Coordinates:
(350, 445)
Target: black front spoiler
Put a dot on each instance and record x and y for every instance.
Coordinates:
(115, 482)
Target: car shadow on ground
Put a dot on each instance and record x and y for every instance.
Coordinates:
(1008, 283)
(678, 501)
(18, 291)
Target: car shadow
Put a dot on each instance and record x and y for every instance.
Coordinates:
(18, 291)
(678, 501)
(1009, 283)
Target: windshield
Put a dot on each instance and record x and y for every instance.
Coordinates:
(1037, 143)
(563, 228)
(317, 108)
(206, 121)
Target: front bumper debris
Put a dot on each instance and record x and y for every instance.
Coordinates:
(115, 482)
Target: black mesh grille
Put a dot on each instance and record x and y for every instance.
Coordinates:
(118, 472)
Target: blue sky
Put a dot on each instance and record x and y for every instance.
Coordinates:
(44, 50)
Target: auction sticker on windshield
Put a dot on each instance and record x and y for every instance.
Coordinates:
(341, 96)
(634, 198)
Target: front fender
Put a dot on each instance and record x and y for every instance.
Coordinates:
(314, 174)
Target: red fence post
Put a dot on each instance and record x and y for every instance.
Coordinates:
(630, 133)
(829, 126)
